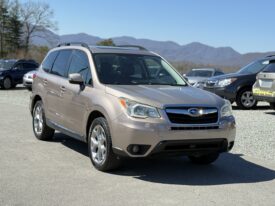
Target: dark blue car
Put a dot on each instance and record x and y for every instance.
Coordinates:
(12, 71)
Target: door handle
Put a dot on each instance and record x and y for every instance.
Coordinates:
(63, 89)
(45, 81)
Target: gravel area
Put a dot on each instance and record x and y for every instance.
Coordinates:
(59, 172)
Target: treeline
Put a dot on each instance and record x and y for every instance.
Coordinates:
(19, 23)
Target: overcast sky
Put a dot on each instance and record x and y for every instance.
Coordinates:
(247, 26)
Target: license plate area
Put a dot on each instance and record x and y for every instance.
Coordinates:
(265, 83)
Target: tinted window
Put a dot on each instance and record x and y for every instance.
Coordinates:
(270, 68)
(200, 73)
(254, 67)
(29, 66)
(217, 73)
(61, 62)
(80, 64)
(48, 62)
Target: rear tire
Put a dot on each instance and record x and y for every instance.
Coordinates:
(100, 146)
(272, 105)
(41, 130)
(245, 99)
(204, 159)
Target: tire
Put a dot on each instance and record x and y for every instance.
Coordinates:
(204, 159)
(7, 83)
(272, 105)
(41, 130)
(99, 137)
(245, 99)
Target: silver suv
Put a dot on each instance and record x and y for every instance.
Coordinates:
(126, 101)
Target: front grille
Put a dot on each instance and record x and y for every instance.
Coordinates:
(181, 115)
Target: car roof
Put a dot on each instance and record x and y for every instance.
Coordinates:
(206, 69)
(119, 49)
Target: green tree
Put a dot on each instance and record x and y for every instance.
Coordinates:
(3, 26)
(14, 27)
(106, 42)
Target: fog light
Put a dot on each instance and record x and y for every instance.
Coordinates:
(135, 149)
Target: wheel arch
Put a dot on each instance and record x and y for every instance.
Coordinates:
(92, 116)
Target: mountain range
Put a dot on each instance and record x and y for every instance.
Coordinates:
(195, 52)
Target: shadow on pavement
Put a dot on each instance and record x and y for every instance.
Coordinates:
(228, 169)
(271, 113)
(257, 108)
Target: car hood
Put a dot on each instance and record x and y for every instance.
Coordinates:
(193, 80)
(230, 75)
(163, 95)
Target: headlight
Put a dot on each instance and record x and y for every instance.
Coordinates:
(226, 109)
(225, 82)
(138, 110)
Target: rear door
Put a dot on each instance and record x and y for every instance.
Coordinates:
(56, 82)
(75, 100)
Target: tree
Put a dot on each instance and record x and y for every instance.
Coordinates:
(106, 42)
(14, 27)
(36, 19)
(3, 26)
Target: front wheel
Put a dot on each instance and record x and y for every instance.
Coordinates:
(100, 146)
(245, 99)
(7, 83)
(204, 159)
(41, 130)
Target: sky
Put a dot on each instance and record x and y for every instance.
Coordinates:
(246, 26)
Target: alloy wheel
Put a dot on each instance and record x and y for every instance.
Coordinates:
(98, 144)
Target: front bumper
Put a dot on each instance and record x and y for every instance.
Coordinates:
(27, 82)
(264, 94)
(151, 136)
(224, 92)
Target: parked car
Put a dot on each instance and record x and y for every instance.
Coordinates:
(28, 79)
(264, 87)
(198, 77)
(109, 98)
(12, 71)
(238, 86)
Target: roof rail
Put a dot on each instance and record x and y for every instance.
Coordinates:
(271, 55)
(73, 43)
(132, 46)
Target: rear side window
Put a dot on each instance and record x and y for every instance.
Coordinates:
(60, 65)
(48, 62)
(270, 68)
(217, 73)
(29, 66)
(80, 64)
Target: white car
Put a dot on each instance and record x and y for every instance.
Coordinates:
(28, 79)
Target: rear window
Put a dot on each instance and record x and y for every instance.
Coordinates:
(270, 68)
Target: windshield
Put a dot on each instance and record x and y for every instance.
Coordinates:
(130, 69)
(199, 73)
(4, 64)
(254, 67)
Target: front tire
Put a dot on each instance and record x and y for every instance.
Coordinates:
(7, 83)
(245, 99)
(41, 130)
(100, 146)
(204, 159)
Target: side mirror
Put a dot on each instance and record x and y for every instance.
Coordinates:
(76, 79)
